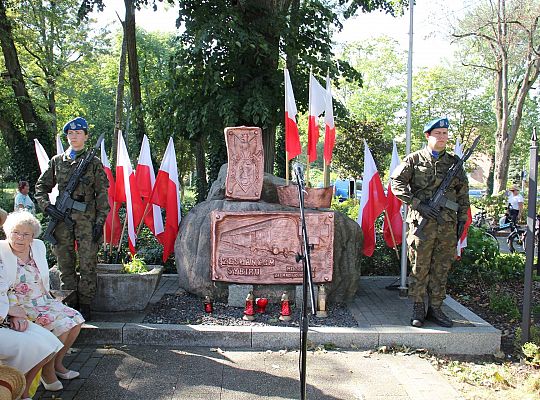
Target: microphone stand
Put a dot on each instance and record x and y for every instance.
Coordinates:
(307, 281)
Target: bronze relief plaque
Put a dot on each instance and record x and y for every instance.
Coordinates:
(245, 156)
(261, 247)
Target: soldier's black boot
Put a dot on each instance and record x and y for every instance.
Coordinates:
(436, 315)
(85, 311)
(419, 313)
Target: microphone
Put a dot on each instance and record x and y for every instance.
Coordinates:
(298, 171)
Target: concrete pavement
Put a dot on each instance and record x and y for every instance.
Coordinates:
(170, 373)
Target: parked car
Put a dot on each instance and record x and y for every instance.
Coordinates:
(476, 193)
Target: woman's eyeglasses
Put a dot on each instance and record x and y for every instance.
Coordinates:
(22, 234)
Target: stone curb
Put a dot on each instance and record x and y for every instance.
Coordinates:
(459, 340)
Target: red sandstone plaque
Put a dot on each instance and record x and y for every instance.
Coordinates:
(245, 170)
(261, 247)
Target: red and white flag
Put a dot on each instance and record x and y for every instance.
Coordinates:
(393, 218)
(292, 139)
(462, 241)
(113, 227)
(317, 105)
(43, 161)
(372, 203)
(166, 194)
(330, 127)
(145, 178)
(126, 191)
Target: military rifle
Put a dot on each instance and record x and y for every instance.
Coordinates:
(439, 200)
(64, 202)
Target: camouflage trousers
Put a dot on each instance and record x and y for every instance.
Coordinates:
(431, 260)
(66, 257)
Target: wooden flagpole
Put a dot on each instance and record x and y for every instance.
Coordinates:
(286, 167)
(121, 237)
(392, 233)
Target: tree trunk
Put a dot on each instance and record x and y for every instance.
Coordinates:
(134, 80)
(119, 107)
(35, 128)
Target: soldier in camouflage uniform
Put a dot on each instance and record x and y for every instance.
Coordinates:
(414, 182)
(88, 229)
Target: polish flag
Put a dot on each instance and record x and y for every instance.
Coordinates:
(392, 218)
(330, 127)
(166, 194)
(373, 202)
(127, 191)
(292, 139)
(145, 177)
(317, 105)
(462, 241)
(113, 227)
(43, 161)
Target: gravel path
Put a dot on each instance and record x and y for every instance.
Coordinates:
(189, 309)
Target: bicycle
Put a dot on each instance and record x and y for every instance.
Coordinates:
(486, 225)
(519, 235)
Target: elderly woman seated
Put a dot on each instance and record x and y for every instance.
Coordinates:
(27, 274)
(23, 344)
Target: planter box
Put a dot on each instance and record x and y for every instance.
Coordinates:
(117, 291)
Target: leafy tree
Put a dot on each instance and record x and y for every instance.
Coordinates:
(502, 37)
(349, 149)
(23, 123)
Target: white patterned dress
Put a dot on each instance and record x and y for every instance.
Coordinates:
(29, 292)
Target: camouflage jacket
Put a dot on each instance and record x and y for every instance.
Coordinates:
(418, 177)
(91, 190)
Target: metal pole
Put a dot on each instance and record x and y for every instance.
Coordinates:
(403, 273)
(529, 240)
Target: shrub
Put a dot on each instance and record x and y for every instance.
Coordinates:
(495, 205)
(531, 351)
(478, 260)
(135, 266)
(510, 266)
(503, 303)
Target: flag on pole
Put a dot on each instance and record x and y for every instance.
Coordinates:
(462, 241)
(113, 227)
(372, 203)
(292, 139)
(145, 177)
(393, 218)
(126, 191)
(317, 105)
(166, 194)
(330, 127)
(43, 161)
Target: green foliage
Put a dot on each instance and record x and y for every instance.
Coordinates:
(349, 149)
(531, 351)
(510, 267)
(478, 260)
(349, 207)
(495, 205)
(504, 304)
(136, 265)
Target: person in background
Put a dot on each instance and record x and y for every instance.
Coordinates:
(24, 261)
(23, 344)
(414, 182)
(22, 199)
(515, 204)
(88, 229)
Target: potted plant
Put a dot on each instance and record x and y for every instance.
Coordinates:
(126, 287)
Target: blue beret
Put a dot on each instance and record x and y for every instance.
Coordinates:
(436, 123)
(76, 124)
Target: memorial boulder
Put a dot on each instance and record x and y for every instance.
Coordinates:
(193, 248)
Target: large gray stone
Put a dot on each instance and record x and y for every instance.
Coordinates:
(193, 243)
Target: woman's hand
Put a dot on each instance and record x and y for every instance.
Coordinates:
(17, 311)
(18, 324)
